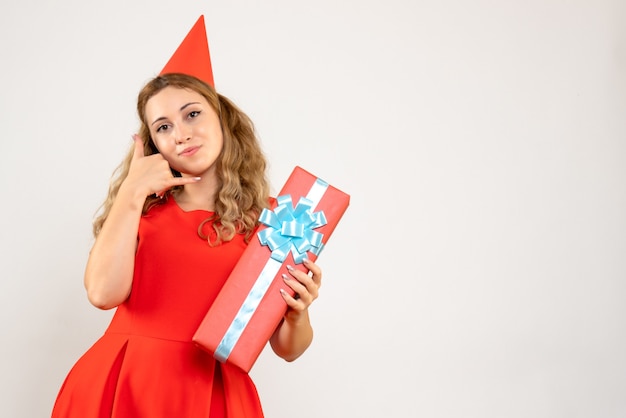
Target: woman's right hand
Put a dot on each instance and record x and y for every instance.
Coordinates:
(151, 174)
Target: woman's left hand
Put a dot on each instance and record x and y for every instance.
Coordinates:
(306, 286)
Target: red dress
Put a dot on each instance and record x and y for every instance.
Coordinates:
(145, 365)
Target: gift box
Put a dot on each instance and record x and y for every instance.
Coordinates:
(249, 307)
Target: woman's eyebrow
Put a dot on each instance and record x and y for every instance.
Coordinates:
(181, 109)
(188, 104)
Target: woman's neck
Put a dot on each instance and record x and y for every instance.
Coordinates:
(199, 195)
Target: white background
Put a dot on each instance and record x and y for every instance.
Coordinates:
(480, 268)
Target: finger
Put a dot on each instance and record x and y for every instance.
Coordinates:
(306, 292)
(292, 302)
(306, 278)
(176, 181)
(138, 151)
(316, 271)
(181, 181)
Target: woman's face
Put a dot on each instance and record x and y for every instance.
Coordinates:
(186, 130)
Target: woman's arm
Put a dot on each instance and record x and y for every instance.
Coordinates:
(295, 333)
(110, 266)
(111, 262)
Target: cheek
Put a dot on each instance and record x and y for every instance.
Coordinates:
(212, 134)
(218, 136)
(160, 142)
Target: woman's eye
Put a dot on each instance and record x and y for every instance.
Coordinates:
(162, 128)
(194, 113)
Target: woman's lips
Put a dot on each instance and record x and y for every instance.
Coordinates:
(189, 151)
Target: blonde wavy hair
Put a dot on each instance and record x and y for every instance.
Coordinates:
(241, 166)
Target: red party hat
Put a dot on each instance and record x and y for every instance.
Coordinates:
(192, 57)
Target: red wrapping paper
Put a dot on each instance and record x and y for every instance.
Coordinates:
(271, 308)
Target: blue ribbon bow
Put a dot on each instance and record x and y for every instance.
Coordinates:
(291, 229)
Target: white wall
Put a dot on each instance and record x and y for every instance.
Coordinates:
(480, 269)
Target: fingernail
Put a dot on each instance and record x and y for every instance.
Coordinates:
(285, 277)
(282, 292)
(289, 267)
(197, 178)
(306, 261)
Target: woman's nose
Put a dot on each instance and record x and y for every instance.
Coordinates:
(182, 134)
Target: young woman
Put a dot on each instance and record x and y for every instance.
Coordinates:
(178, 216)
